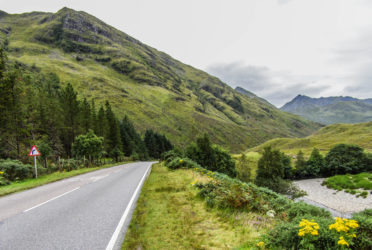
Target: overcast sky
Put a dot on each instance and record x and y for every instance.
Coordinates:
(274, 48)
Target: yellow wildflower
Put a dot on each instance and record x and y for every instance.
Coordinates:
(308, 227)
(1, 172)
(181, 161)
(261, 244)
(342, 241)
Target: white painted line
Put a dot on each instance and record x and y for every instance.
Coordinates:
(51, 200)
(115, 236)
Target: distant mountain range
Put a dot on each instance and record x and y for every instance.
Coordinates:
(330, 110)
(150, 87)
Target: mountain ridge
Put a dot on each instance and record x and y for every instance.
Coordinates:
(149, 86)
(330, 110)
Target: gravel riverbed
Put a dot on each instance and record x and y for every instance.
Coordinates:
(339, 201)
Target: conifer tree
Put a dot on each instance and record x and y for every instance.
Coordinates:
(70, 114)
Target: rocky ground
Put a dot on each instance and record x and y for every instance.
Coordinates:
(340, 202)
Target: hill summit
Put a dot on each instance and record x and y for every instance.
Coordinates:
(150, 87)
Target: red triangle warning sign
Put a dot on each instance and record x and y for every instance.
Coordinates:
(34, 151)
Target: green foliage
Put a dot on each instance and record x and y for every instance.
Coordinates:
(285, 234)
(88, 145)
(156, 144)
(211, 157)
(364, 232)
(178, 162)
(343, 159)
(15, 170)
(244, 168)
(351, 183)
(303, 210)
(45, 151)
(314, 164)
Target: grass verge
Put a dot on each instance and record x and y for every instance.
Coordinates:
(358, 184)
(170, 215)
(45, 179)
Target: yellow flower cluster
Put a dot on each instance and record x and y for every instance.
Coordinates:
(343, 225)
(308, 227)
(1, 172)
(181, 161)
(261, 244)
(342, 241)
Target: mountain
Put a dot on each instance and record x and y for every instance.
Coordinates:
(150, 87)
(330, 110)
(324, 139)
(251, 95)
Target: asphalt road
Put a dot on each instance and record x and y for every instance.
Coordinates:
(90, 211)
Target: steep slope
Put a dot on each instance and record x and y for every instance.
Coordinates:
(153, 89)
(330, 110)
(324, 139)
(251, 95)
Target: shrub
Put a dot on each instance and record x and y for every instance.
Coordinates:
(285, 234)
(364, 232)
(344, 159)
(302, 210)
(15, 170)
(178, 162)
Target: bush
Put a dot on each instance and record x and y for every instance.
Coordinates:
(344, 159)
(15, 170)
(302, 210)
(285, 235)
(178, 162)
(364, 232)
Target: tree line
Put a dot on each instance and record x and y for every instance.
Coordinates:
(36, 109)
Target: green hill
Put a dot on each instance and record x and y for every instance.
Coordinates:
(153, 89)
(324, 139)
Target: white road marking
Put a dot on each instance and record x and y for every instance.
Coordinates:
(115, 236)
(51, 200)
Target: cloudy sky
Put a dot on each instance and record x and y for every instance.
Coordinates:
(274, 48)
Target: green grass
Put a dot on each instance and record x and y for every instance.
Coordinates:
(324, 139)
(170, 215)
(358, 184)
(45, 179)
(200, 104)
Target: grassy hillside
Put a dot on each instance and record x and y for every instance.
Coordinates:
(324, 139)
(153, 89)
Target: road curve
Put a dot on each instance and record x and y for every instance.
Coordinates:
(83, 212)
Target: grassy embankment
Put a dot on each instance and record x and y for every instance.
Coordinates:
(358, 184)
(170, 215)
(45, 179)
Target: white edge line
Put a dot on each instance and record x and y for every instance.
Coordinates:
(115, 236)
(51, 199)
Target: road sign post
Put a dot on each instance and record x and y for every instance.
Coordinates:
(34, 152)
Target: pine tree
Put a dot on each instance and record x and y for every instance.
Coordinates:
(70, 115)
(114, 146)
(85, 116)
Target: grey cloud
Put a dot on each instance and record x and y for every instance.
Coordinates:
(277, 87)
(283, 1)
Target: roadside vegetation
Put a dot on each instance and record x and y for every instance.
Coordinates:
(195, 198)
(70, 133)
(20, 185)
(359, 184)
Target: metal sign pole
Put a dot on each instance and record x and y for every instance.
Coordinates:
(35, 167)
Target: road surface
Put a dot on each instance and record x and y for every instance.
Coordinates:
(89, 211)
